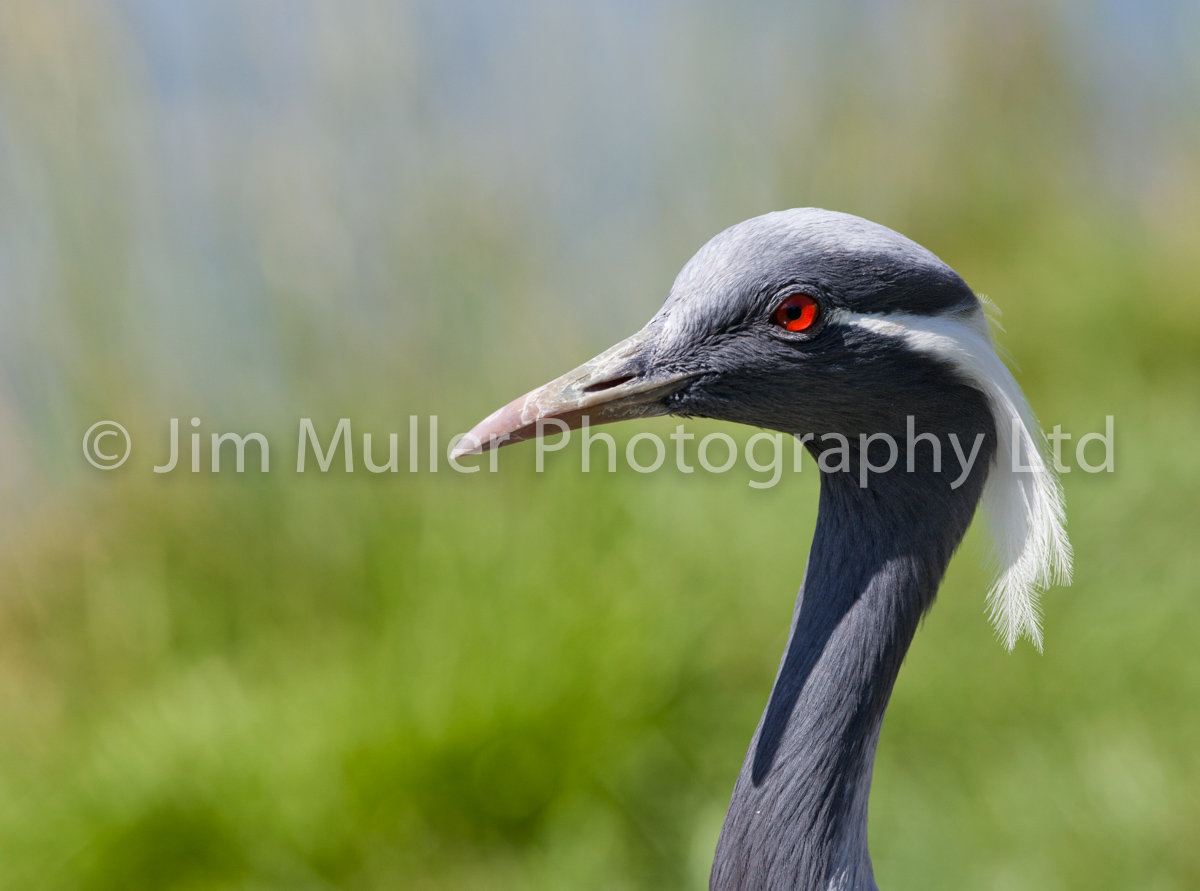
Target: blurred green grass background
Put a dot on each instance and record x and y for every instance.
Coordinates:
(254, 213)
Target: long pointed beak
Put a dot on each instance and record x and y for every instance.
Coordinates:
(617, 385)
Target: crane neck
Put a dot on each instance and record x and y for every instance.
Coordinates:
(798, 816)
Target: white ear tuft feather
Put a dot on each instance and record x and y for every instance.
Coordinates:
(1022, 499)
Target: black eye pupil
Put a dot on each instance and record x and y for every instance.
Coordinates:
(792, 312)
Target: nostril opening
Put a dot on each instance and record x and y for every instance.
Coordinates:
(609, 384)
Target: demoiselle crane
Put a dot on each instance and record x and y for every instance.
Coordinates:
(809, 321)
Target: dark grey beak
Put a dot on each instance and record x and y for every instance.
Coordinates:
(617, 385)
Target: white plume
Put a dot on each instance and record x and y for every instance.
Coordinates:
(1022, 499)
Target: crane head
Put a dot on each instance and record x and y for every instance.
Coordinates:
(811, 321)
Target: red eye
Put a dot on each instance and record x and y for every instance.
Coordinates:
(797, 313)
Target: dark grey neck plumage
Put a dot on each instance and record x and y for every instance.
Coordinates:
(798, 816)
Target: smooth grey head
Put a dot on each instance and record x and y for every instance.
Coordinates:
(719, 324)
(716, 348)
(896, 333)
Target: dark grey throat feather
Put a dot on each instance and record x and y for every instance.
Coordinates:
(798, 815)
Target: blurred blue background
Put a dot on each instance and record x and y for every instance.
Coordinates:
(260, 211)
